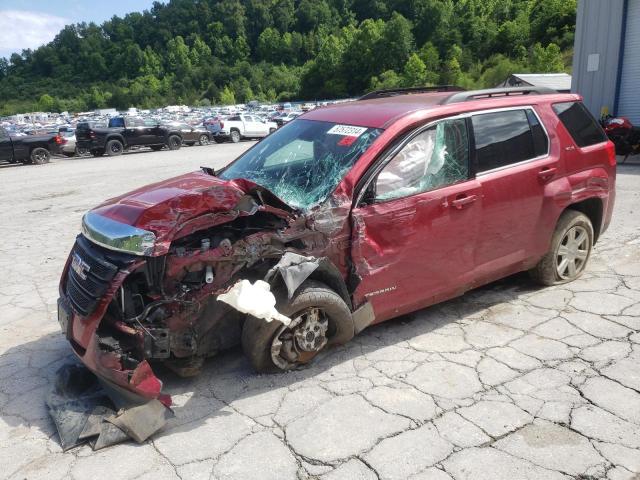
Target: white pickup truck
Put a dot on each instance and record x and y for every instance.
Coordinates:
(237, 127)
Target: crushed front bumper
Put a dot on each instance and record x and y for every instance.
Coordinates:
(88, 285)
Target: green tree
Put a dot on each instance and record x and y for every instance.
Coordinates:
(546, 60)
(178, 56)
(415, 72)
(46, 103)
(227, 96)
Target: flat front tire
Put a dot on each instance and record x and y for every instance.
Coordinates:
(40, 156)
(320, 318)
(571, 247)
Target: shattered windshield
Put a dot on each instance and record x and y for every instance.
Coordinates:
(303, 162)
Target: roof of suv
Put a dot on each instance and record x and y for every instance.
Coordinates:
(381, 112)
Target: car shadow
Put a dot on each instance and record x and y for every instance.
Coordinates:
(228, 378)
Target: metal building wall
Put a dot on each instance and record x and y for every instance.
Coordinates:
(628, 94)
(597, 53)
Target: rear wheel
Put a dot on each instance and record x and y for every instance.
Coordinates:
(40, 156)
(204, 139)
(114, 148)
(235, 136)
(174, 142)
(318, 316)
(571, 247)
(81, 151)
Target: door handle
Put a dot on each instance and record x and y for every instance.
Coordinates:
(547, 173)
(570, 148)
(463, 201)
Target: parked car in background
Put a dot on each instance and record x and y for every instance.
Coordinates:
(192, 134)
(35, 149)
(237, 127)
(124, 133)
(284, 119)
(345, 218)
(69, 147)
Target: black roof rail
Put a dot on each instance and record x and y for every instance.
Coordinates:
(496, 92)
(393, 92)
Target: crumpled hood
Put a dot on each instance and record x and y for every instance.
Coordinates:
(164, 206)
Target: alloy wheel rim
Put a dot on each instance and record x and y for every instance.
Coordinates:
(572, 253)
(204, 140)
(301, 340)
(115, 148)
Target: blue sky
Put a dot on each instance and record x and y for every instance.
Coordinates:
(31, 23)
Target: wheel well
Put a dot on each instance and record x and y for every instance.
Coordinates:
(114, 137)
(234, 128)
(592, 208)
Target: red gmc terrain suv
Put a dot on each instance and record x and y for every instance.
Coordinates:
(346, 217)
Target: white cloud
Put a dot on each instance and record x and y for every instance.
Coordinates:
(21, 29)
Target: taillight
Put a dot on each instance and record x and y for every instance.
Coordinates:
(611, 152)
(58, 139)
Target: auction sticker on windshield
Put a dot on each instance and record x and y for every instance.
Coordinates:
(347, 130)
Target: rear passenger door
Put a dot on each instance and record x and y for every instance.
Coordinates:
(513, 165)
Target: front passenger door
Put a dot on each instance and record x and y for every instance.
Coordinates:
(414, 231)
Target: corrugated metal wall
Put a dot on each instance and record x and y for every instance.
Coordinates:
(598, 32)
(629, 99)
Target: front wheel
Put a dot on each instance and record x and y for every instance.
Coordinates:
(174, 142)
(571, 247)
(319, 317)
(204, 140)
(40, 156)
(235, 136)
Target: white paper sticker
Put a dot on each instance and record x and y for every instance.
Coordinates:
(347, 130)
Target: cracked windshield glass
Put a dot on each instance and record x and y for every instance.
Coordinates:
(303, 162)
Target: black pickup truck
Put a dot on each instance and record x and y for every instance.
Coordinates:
(124, 133)
(36, 149)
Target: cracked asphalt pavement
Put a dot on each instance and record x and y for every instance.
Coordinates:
(509, 381)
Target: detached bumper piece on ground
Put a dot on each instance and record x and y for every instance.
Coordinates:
(84, 413)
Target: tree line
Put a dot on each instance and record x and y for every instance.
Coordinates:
(203, 52)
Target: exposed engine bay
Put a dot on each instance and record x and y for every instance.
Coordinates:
(126, 312)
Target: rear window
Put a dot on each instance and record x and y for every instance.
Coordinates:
(507, 137)
(581, 125)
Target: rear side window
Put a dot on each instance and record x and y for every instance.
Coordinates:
(581, 125)
(508, 137)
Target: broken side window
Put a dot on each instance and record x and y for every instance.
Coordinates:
(434, 158)
(303, 162)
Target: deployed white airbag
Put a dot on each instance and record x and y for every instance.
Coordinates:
(256, 300)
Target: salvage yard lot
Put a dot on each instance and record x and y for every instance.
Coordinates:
(509, 381)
